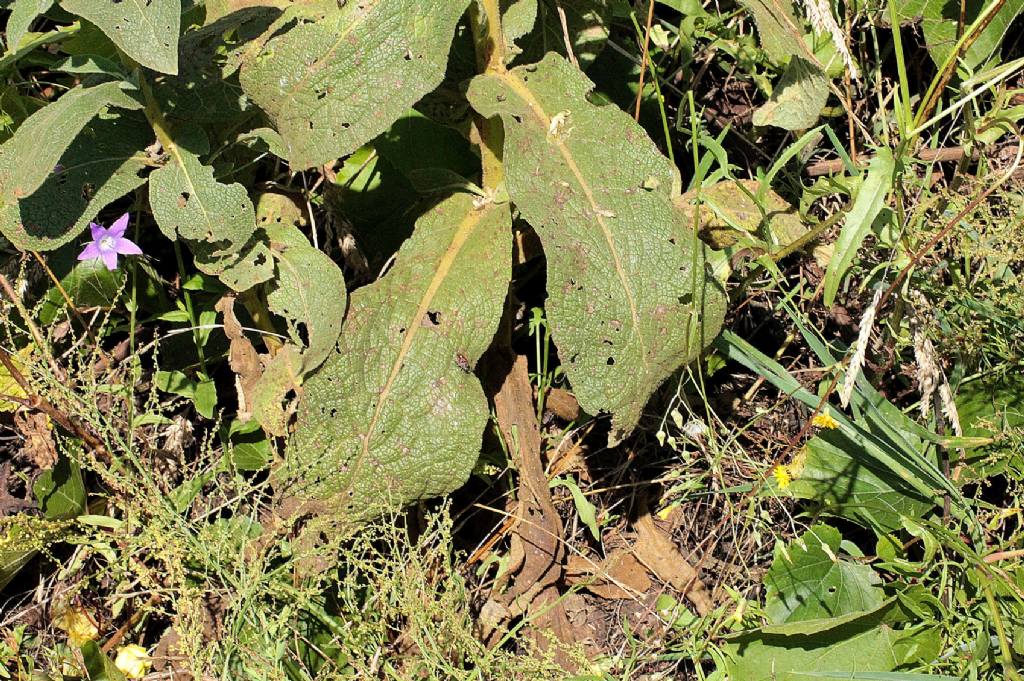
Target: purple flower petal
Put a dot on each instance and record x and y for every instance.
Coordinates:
(90, 252)
(127, 247)
(97, 231)
(110, 260)
(117, 229)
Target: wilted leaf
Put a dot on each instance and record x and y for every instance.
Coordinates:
(837, 473)
(217, 220)
(809, 581)
(868, 204)
(341, 75)
(628, 300)
(147, 30)
(797, 99)
(732, 205)
(33, 162)
(396, 414)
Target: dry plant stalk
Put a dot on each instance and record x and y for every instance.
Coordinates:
(860, 348)
(820, 15)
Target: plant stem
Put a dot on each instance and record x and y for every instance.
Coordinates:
(490, 57)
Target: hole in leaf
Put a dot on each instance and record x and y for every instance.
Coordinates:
(611, 361)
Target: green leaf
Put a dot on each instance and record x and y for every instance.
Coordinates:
(808, 580)
(939, 20)
(586, 510)
(779, 28)
(863, 644)
(72, 184)
(146, 30)
(206, 88)
(60, 490)
(628, 299)
(396, 414)
(308, 291)
(586, 21)
(341, 75)
(797, 99)
(98, 666)
(23, 13)
(203, 393)
(867, 205)
(836, 472)
(732, 208)
(518, 19)
(217, 220)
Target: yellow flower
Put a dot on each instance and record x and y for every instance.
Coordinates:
(825, 420)
(133, 661)
(781, 474)
(78, 625)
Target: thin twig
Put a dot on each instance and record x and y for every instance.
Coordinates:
(643, 59)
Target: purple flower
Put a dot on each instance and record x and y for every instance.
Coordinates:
(107, 244)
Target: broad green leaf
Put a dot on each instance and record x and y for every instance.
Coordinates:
(308, 290)
(841, 476)
(341, 75)
(864, 644)
(586, 21)
(731, 207)
(98, 666)
(517, 19)
(876, 676)
(797, 99)
(206, 88)
(809, 581)
(628, 300)
(23, 13)
(939, 20)
(217, 220)
(778, 26)
(146, 30)
(60, 490)
(396, 414)
(106, 161)
(33, 161)
(868, 204)
(202, 393)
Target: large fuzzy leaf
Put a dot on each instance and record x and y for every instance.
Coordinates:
(939, 20)
(217, 220)
(341, 75)
(49, 191)
(146, 30)
(797, 99)
(809, 581)
(23, 13)
(628, 300)
(396, 414)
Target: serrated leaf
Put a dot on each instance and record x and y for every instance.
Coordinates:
(105, 161)
(340, 76)
(217, 220)
(146, 30)
(797, 99)
(59, 170)
(23, 13)
(868, 204)
(809, 581)
(396, 414)
(587, 23)
(628, 300)
(837, 473)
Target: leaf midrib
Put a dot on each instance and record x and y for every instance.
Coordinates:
(520, 88)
